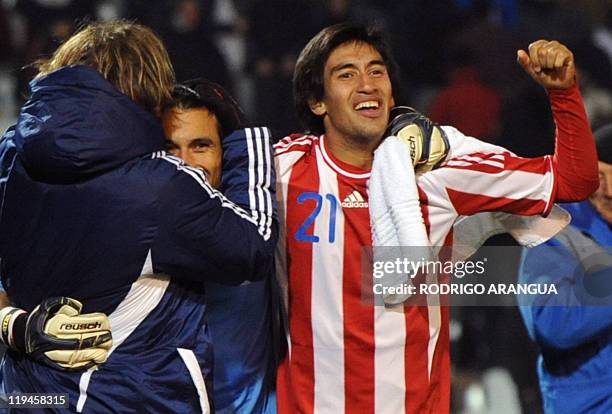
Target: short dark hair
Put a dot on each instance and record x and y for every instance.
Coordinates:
(603, 141)
(202, 93)
(309, 70)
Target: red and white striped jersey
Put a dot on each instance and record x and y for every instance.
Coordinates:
(347, 356)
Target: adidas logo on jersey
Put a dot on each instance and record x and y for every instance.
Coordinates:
(354, 200)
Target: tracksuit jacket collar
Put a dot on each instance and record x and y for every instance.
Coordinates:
(77, 125)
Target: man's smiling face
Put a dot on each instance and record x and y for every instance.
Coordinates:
(193, 135)
(357, 94)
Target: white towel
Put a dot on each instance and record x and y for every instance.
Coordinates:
(395, 213)
(469, 233)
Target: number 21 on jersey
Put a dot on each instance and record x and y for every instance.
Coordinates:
(330, 202)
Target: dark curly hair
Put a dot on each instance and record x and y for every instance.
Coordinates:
(202, 93)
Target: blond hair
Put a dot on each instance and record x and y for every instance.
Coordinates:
(128, 55)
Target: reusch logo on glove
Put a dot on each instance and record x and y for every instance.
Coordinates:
(413, 146)
(80, 326)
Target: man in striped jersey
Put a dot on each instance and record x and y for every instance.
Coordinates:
(346, 355)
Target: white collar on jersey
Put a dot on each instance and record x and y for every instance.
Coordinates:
(334, 166)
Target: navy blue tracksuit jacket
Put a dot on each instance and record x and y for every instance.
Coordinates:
(91, 207)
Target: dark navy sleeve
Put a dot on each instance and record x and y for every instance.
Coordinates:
(559, 321)
(248, 177)
(8, 153)
(205, 236)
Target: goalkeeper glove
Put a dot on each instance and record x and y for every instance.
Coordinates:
(56, 334)
(427, 142)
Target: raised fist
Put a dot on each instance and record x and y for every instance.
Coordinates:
(549, 63)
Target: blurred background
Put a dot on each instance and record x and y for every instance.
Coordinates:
(457, 62)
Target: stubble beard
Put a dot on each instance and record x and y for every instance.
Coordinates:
(367, 137)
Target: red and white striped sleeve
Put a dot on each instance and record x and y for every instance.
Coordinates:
(493, 179)
(481, 182)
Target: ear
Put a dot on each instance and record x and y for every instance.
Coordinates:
(318, 108)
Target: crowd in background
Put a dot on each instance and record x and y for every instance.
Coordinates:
(457, 65)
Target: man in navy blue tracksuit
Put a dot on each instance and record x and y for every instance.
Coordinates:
(242, 322)
(91, 207)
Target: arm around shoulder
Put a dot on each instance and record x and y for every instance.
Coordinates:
(205, 235)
